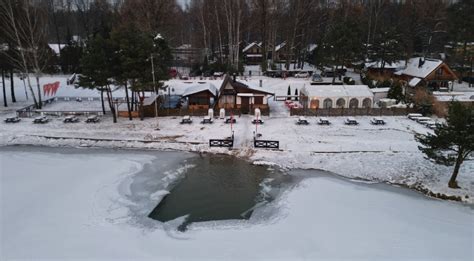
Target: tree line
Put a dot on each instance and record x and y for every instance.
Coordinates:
(345, 31)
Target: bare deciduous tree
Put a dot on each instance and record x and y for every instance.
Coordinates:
(25, 28)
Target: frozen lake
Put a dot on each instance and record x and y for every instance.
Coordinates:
(77, 204)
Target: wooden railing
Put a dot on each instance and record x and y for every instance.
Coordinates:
(266, 144)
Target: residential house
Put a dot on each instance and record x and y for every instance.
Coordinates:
(282, 53)
(253, 53)
(242, 97)
(424, 72)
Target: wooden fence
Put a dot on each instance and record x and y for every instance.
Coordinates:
(226, 143)
(352, 112)
(204, 112)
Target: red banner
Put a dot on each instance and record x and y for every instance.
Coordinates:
(50, 89)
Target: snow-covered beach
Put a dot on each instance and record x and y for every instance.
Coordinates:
(380, 154)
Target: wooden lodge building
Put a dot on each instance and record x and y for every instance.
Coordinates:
(241, 97)
(424, 72)
(253, 53)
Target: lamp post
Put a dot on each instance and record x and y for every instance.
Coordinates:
(154, 83)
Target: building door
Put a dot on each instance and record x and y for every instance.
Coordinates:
(245, 107)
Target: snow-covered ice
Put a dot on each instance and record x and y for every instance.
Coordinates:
(383, 154)
(74, 205)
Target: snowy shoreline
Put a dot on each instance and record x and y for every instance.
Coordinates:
(143, 145)
(386, 154)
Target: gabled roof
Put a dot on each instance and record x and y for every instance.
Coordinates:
(150, 100)
(392, 65)
(280, 46)
(250, 46)
(420, 67)
(243, 88)
(311, 47)
(200, 87)
(56, 48)
(414, 82)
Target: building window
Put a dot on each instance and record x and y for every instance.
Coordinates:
(258, 100)
(439, 71)
(341, 103)
(367, 103)
(327, 103)
(353, 103)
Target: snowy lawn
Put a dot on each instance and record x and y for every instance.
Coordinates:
(76, 206)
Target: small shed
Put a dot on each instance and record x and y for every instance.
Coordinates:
(201, 96)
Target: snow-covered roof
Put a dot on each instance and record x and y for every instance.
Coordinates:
(420, 67)
(250, 46)
(379, 90)
(149, 100)
(311, 47)
(392, 65)
(336, 91)
(278, 47)
(56, 48)
(256, 87)
(414, 82)
(201, 87)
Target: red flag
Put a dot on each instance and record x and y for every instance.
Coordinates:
(55, 88)
(46, 89)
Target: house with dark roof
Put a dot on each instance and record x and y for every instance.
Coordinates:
(235, 95)
(424, 72)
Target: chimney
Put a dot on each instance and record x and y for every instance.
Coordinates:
(234, 76)
(421, 62)
(260, 83)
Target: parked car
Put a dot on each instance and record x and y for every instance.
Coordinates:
(302, 75)
(328, 74)
(274, 74)
(333, 73)
(317, 78)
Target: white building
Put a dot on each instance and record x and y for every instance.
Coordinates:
(337, 96)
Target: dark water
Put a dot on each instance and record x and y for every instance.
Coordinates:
(219, 188)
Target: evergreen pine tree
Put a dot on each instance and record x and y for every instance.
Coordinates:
(452, 142)
(289, 93)
(96, 69)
